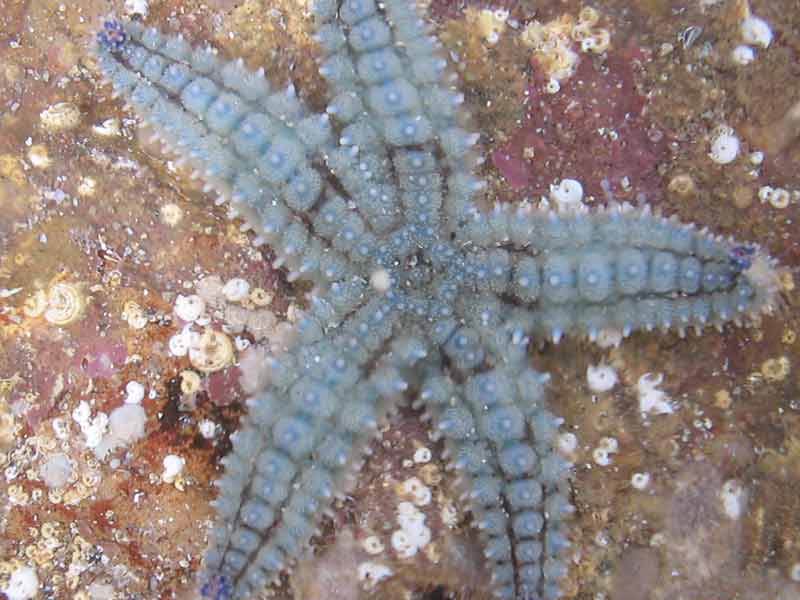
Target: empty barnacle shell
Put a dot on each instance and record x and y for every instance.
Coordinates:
(236, 289)
(189, 308)
(260, 297)
(133, 314)
(190, 382)
(211, 351)
(65, 304)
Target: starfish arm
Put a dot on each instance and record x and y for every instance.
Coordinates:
(300, 445)
(397, 119)
(619, 269)
(258, 147)
(488, 404)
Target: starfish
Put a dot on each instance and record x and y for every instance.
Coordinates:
(417, 292)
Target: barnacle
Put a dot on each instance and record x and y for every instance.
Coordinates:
(211, 351)
(190, 382)
(552, 42)
(236, 290)
(260, 297)
(65, 303)
(134, 315)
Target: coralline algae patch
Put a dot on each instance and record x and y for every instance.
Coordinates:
(584, 116)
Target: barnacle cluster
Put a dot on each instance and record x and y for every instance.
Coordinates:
(490, 23)
(62, 304)
(416, 291)
(555, 43)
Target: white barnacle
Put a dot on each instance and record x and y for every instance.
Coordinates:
(422, 455)
(651, 399)
(236, 289)
(189, 308)
(776, 196)
(108, 128)
(724, 146)
(415, 490)
(567, 444)
(372, 544)
(207, 428)
(603, 453)
(601, 378)
(173, 467)
(134, 392)
(23, 584)
(756, 31)
(743, 54)
(568, 196)
(413, 534)
(370, 574)
(601, 456)
(65, 303)
(640, 481)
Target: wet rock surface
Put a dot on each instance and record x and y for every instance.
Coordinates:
(102, 233)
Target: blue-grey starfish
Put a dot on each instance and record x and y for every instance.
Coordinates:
(417, 291)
